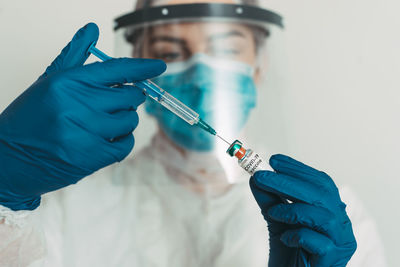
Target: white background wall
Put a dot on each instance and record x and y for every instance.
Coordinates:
(343, 106)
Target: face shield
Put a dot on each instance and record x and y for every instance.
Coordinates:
(220, 64)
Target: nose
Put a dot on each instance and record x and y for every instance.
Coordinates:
(197, 48)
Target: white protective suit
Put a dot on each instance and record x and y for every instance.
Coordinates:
(111, 219)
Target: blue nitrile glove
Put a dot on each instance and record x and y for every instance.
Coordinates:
(313, 230)
(73, 121)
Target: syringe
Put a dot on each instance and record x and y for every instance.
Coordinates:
(247, 159)
(161, 96)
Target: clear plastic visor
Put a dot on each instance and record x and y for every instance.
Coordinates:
(219, 68)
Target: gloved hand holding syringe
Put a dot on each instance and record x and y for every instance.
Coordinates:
(247, 159)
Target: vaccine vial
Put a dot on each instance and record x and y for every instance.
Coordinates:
(249, 160)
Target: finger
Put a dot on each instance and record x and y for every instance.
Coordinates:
(289, 187)
(320, 180)
(111, 100)
(316, 218)
(313, 242)
(286, 165)
(120, 71)
(119, 124)
(108, 153)
(336, 226)
(323, 250)
(107, 126)
(75, 53)
(122, 147)
(265, 200)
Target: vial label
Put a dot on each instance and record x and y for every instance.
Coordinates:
(253, 162)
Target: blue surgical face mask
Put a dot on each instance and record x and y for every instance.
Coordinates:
(221, 91)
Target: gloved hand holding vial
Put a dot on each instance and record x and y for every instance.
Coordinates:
(305, 246)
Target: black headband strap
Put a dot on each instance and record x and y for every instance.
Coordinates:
(194, 11)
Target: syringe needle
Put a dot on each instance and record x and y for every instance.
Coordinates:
(220, 137)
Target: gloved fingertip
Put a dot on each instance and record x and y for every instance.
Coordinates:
(158, 66)
(141, 98)
(251, 182)
(284, 238)
(262, 173)
(262, 177)
(90, 31)
(276, 159)
(290, 238)
(161, 63)
(92, 27)
(275, 211)
(86, 36)
(256, 190)
(76, 52)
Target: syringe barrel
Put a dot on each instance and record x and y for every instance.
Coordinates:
(155, 92)
(168, 101)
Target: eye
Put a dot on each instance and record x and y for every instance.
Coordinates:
(226, 52)
(229, 47)
(169, 56)
(232, 53)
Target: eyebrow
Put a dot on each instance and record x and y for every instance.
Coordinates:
(170, 39)
(233, 33)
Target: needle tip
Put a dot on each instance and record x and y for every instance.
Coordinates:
(220, 137)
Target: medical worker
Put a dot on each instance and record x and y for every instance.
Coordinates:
(179, 201)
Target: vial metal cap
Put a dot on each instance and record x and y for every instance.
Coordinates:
(236, 150)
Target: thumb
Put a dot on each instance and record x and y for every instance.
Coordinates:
(75, 53)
